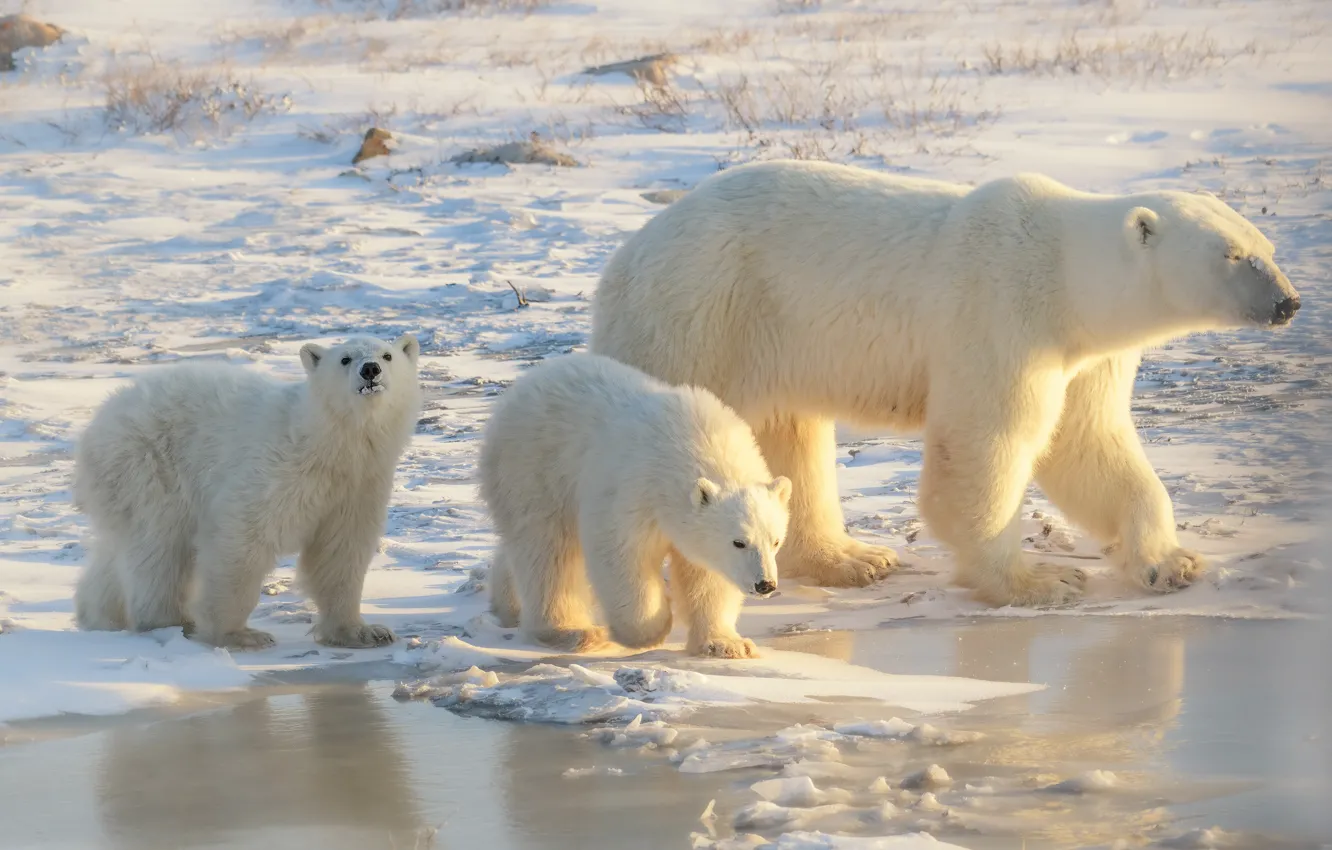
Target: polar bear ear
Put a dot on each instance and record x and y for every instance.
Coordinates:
(1142, 226)
(311, 354)
(705, 492)
(781, 488)
(408, 345)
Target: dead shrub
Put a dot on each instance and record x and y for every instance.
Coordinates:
(164, 97)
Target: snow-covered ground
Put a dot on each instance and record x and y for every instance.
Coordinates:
(176, 181)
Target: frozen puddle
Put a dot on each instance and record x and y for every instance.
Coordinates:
(1158, 732)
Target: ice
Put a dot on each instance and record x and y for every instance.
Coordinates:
(448, 653)
(931, 778)
(638, 733)
(1086, 783)
(800, 840)
(897, 729)
(580, 772)
(790, 791)
(764, 815)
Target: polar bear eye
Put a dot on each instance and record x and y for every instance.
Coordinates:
(346, 361)
(739, 544)
(1233, 255)
(388, 356)
(776, 544)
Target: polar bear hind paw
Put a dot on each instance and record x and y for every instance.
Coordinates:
(727, 647)
(1037, 586)
(243, 640)
(1174, 572)
(357, 636)
(848, 563)
(573, 639)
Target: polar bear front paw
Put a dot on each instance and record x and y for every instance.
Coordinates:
(356, 636)
(1175, 571)
(1037, 586)
(848, 563)
(726, 646)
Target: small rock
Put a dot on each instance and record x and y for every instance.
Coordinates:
(532, 151)
(648, 69)
(374, 144)
(20, 31)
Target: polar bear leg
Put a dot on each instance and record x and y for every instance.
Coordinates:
(545, 567)
(817, 546)
(155, 568)
(99, 600)
(229, 579)
(711, 605)
(978, 462)
(332, 567)
(626, 571)
(503, 596)
(1097, 473)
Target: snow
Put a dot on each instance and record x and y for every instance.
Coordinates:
(244, 231)
(61, 672)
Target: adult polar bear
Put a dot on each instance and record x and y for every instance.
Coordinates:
(1006, 320)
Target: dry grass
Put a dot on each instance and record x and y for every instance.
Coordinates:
(396, 9)
(664, 107)
(164, 97)
(824, 108)
(1145, 56)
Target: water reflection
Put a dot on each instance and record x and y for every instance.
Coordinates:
(1197, 715)
(326, 762)
(649, 804)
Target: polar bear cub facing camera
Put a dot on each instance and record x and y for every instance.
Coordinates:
(197, 478)
(594, 474)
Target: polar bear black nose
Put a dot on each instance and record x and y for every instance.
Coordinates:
(370, 371)
(763, 588)
(1285, 310)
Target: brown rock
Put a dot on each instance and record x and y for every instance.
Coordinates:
(374, 144)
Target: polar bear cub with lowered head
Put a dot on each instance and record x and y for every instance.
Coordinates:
(594, 471)
(197, 478)
(1006, 321)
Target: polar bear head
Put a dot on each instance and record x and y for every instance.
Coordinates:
(1207, 266)
(364, 376)
(737, 531)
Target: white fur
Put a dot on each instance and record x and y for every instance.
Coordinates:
(1014, 313)
(195, 479)
(586, 461)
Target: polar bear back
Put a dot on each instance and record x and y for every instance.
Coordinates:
(187, 418)
(194, 441)
(583, 420)
(777, 281)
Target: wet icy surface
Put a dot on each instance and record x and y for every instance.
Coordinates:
(1162, 732)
